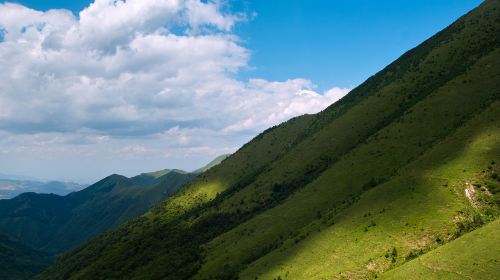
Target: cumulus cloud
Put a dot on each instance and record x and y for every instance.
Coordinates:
(137, 68)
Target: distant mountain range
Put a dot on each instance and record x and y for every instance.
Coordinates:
(53, 224)
(10, 188)
(397, 180)
(14, 185)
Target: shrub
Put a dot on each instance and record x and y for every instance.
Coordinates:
(394, 254)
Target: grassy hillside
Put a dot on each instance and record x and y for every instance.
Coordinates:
(413, 212)
(18, 261)
(473, 256)
(403, 164)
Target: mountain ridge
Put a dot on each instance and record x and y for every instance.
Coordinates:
(55, 223)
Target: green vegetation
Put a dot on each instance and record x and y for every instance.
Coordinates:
(55, 223)
(402, 166)
(396, 221)
(20, 262)
(473, 256)
(213, 163)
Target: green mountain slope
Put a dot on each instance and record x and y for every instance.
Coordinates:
(404, 163)
(213, 163)
(411, 212)
(57, 223)
(472, 256)
(18, 261)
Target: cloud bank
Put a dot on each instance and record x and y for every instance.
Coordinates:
(133, 73)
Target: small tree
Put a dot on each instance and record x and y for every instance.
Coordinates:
(394, 254)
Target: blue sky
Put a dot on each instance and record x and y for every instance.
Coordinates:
(340, 43)
(142, 85)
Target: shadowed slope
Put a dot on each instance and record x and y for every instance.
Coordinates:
(57, 223)
(20, 262)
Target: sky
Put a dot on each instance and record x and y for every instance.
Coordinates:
(91, 88)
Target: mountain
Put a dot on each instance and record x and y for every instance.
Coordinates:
(20, 262)
(10, 188)
(213, 163)
(396, 171)
(53, 224)
(56, 223)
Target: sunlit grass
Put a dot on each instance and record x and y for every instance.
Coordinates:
(476, 255)
(405, 218)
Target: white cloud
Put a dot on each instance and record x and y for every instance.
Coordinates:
(133, 150)
(162, 69)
